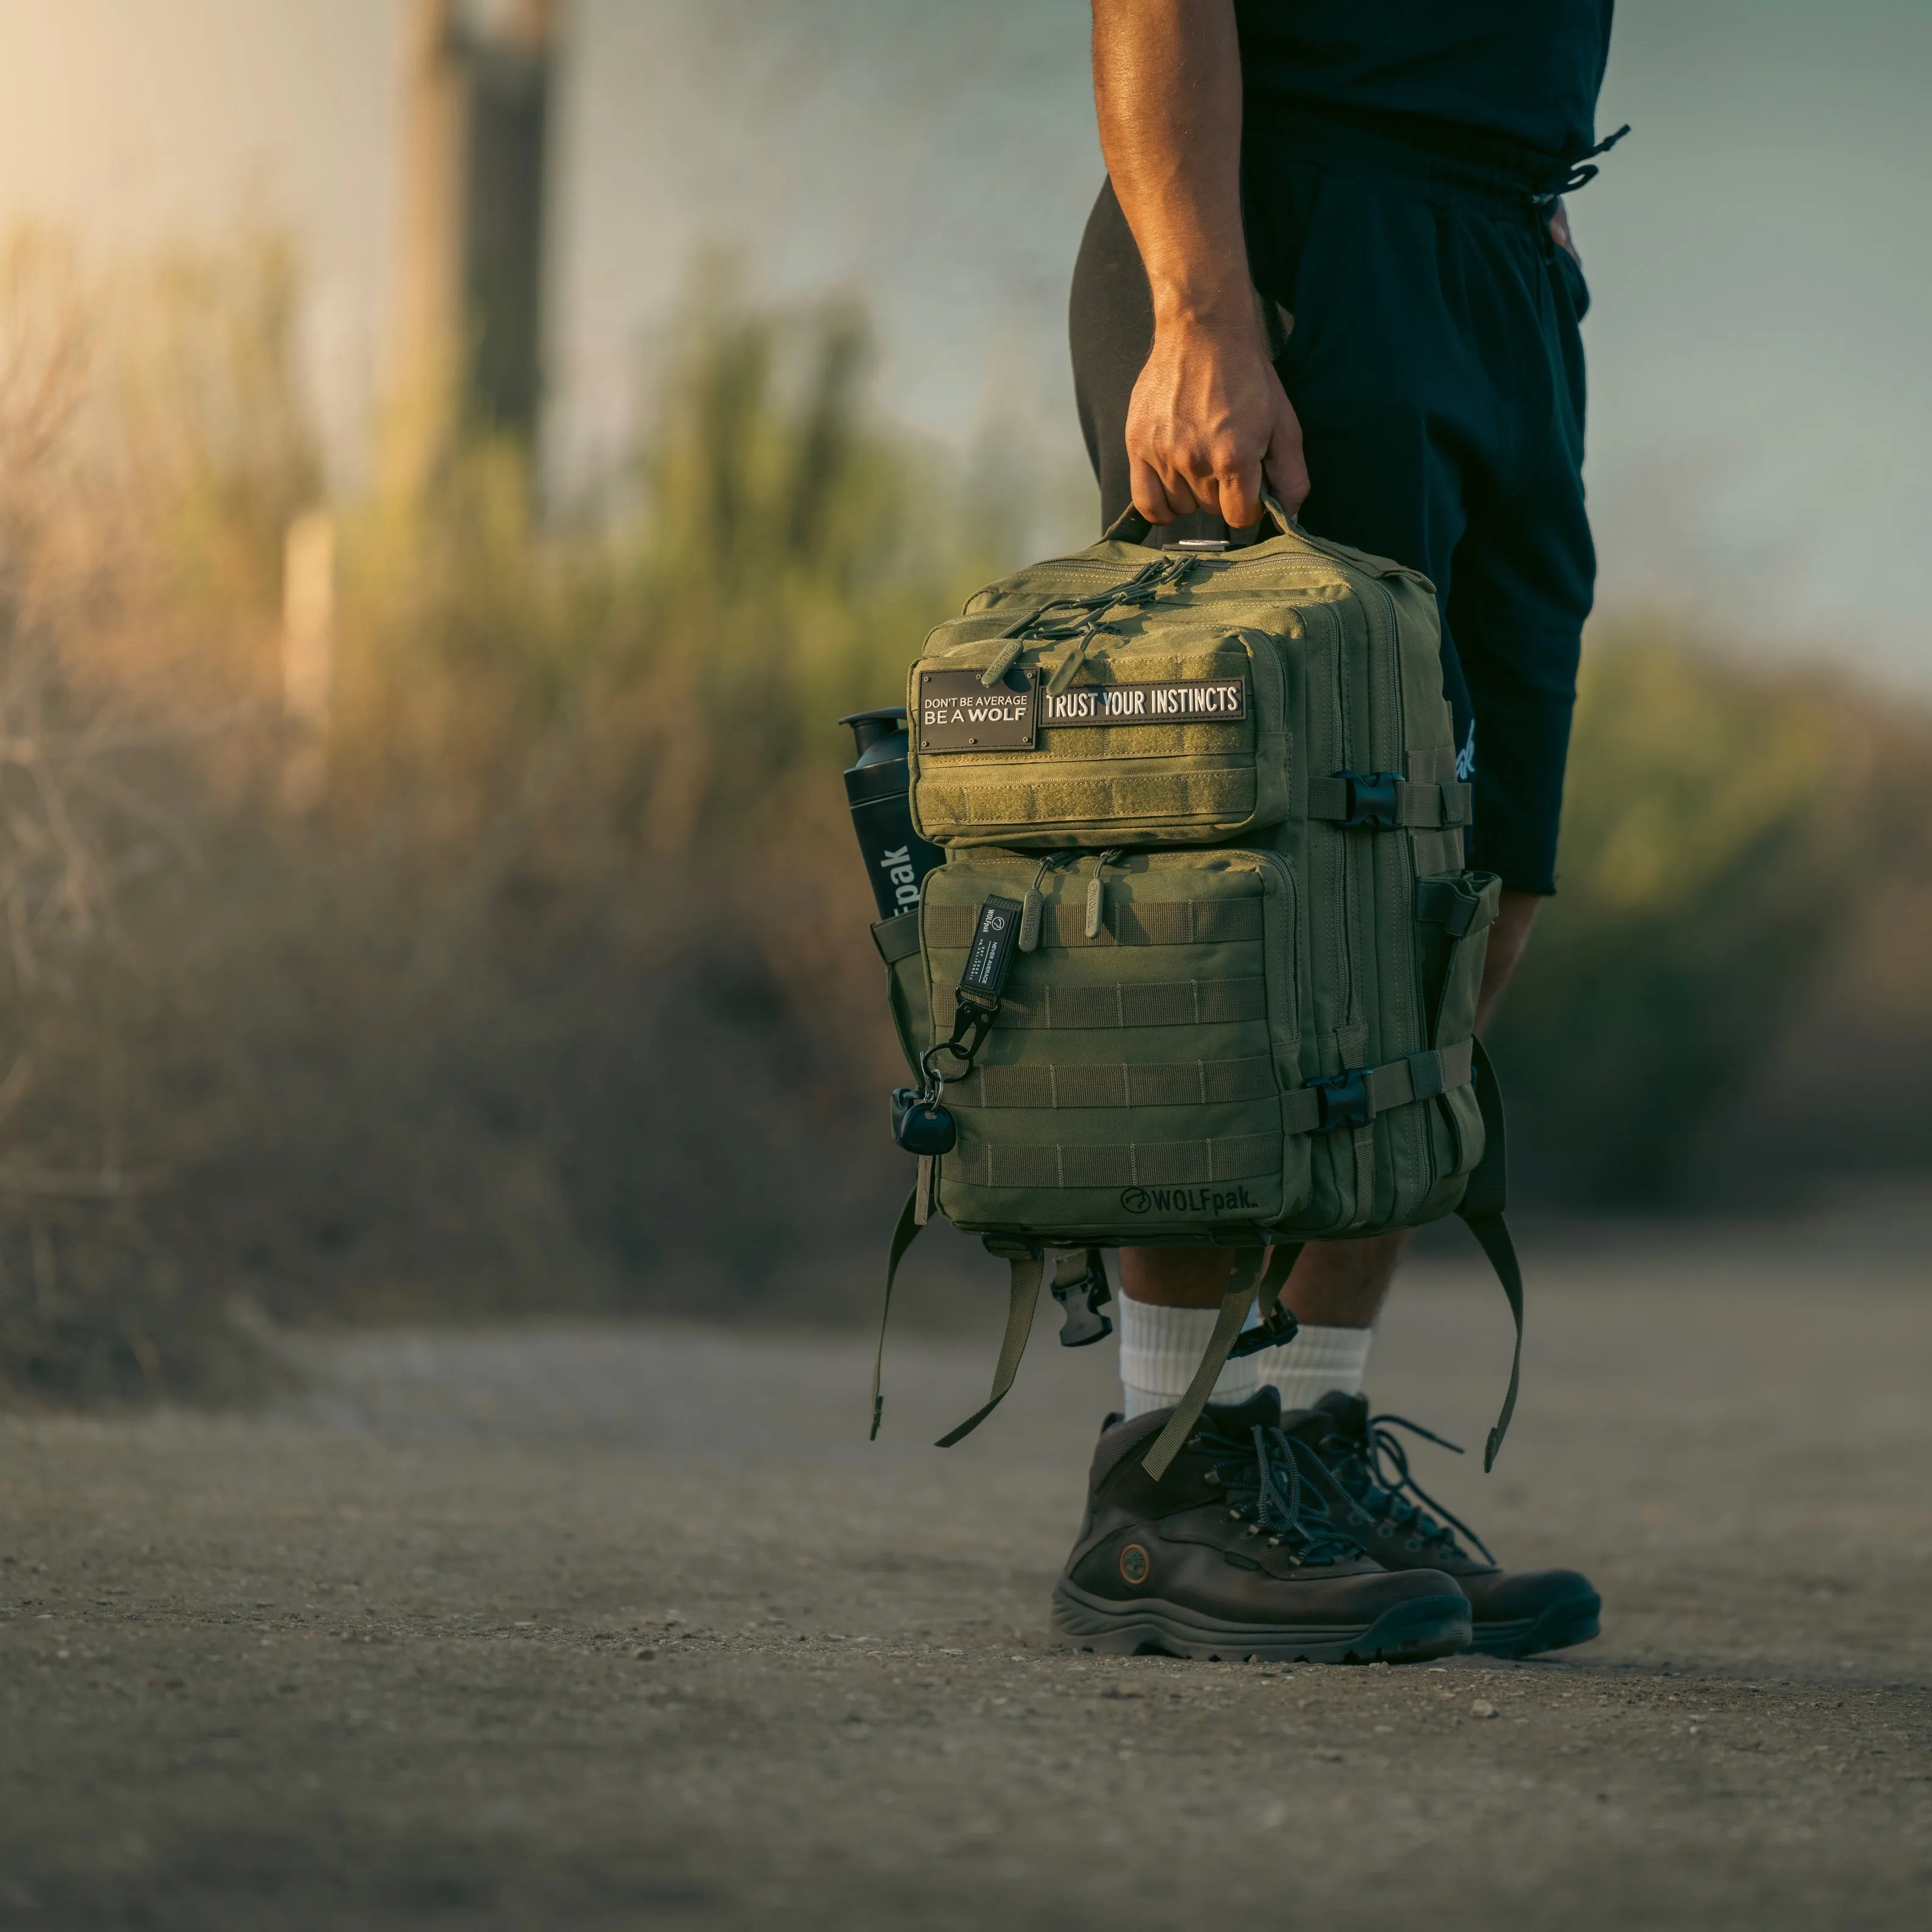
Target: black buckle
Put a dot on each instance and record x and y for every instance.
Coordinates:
(1372, 800)
(1081, 1300)
(1343, 1098)
(1276, 1332)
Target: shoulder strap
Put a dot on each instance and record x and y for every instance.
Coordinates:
(904, 1235)
(1254, 1268)
(1482, 1213)
(1023, 1297)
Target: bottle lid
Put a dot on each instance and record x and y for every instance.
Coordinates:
(869, 727)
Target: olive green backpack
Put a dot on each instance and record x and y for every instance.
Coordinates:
(1201, 967)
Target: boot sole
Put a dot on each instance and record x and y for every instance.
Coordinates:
(1556, 1628)
(1410, 1633)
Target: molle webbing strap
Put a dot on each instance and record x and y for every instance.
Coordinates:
(897, 938)
(1023, 1297)
(1418, 807)
(1363, 1148)
(1254, 1268)
(1116, 1084)
(1420, 1077)
(1161, 923)
(1281, 1265)
(980, 1163)
(1168, 1003)
(1483, 1200)
(1436, 851)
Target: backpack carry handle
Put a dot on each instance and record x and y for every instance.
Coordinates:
(1130, 526)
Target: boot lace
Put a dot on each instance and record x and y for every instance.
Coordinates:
(1376, 1473)
(1267, 1489)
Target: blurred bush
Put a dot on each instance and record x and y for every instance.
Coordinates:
(1724, 824)
(532, 971)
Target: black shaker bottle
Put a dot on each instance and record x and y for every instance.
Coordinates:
(878, 788)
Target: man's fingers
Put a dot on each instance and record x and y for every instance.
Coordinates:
(1178, 490)
(1160, 499)
(1150, 494)
(1239, 494)
(1288, 482)
(1285, 465)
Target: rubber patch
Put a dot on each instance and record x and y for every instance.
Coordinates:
(1206, 700)
(958, 713)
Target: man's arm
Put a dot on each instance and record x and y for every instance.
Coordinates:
(1209, 417)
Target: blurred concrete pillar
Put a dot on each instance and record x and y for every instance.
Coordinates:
(308, 656)
(467, 336)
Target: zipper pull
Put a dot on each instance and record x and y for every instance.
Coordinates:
(1034, 905)
(1097, 894)
(1031, 908)
(1003, 660)
(1076, 656)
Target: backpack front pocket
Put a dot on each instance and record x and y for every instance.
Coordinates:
(1177, 735)
(1132, 1083)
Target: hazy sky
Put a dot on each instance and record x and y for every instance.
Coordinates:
(1758, 249)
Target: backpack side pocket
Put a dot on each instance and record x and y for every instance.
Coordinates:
(1453, 913)
(897, 939)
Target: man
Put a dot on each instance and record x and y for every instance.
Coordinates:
(1331, 260)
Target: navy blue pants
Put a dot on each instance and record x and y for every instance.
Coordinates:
(1435, 363)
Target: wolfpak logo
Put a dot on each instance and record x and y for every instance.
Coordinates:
(897, 866)
(1187, 1200)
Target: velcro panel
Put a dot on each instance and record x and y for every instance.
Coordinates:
(1158, 923)
(1090, 744)
(1171, 1003)
(1183, 1084)
(1129, 797)
(1134, 1164)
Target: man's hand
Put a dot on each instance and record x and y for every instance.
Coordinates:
(1209, 418)
(1559, 232)
(1209, 422)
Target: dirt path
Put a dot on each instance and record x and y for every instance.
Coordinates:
(593, 1629)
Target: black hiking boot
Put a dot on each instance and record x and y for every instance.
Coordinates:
(1235, 1554)
(1516, 1614)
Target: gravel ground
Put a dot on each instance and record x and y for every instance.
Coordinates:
(628, 1626)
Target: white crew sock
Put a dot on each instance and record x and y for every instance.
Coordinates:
(1316, 1361)
(1160, 1349)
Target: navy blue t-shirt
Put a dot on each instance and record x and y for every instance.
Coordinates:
(1521, 76)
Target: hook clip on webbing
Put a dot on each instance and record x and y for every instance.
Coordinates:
(921, 1123)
